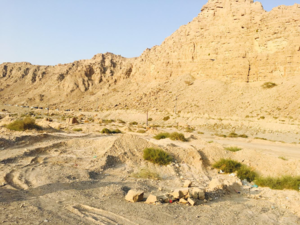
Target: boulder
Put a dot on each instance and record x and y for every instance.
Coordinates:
(72, 121)
(198, 193)
(215, 184)
(187, 183)
(134, 196)
(183, 201)
(180, 193)
(191, 201)
(153, 199)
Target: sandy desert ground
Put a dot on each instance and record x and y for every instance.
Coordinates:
(61, 176)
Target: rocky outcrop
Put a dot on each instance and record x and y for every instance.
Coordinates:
(231, 40)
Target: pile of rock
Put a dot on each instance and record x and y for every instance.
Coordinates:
(185, 195)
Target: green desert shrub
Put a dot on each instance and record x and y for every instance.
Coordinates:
(279, 183)
(141, 131)
(189, 129)
(150, 119)
(227, 165)
(108, 131)
(23, 124)
(166, 118)
(233, 149)
(133, 123)
(268, 85)
(244, 172)
(157, 156)
(161, 136)
(233, 135)
(177, 136)
(77, 129)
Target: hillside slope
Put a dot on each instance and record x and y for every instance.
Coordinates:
(216, 65)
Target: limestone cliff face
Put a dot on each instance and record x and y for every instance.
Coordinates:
(230, 39)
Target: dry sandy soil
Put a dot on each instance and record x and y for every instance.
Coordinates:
(60, 176)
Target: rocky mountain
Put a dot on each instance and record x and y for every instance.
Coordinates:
(230, 44)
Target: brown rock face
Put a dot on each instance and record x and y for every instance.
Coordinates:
(230, 40)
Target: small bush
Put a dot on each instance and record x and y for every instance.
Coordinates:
(227, 165)
(141, 131)
(77, 129)
(161, 136)
(199, 132)
(233, 135)
(157, 156)
(108, 131)
(147, 174)
(284, 182)
(268, 85)
(233, 149)
(133, 123)
(107, 121)
(283, 158)
(166, 118)
(244, 172)
(25, 124)
(150, 119)
(121, 121)
(243, 136)
(177, 136)
(189, 129)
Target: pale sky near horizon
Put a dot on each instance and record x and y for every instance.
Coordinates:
(53, 31)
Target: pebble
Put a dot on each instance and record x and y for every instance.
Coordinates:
(46, 221)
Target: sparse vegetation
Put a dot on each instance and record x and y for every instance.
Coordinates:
(244, 172)
(121, 121)
(233, 149)
(157, 156)
(190, 129)
(166, 118)
(259, 138)
(283, 158)
(161, 136)
(107, 121)
(177, 136)
(77, 129)
(227, 165)
(24, 124)
(280, 183)
(231, 166)
(108, 131)
(133, 123)
(199, 132)
(235, 135)
(269, 85)
(147, 174)
(150, 119)
(141, 131)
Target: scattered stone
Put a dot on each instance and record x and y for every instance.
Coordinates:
(183, 201)
(191, 201)
(187, 183)
(181, 193)
(198, 193)
(152, 199)
(72, 121)
(134, 196)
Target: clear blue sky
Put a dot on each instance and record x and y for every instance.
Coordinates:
(48, 32)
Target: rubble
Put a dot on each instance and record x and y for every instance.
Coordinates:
(135, 196)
